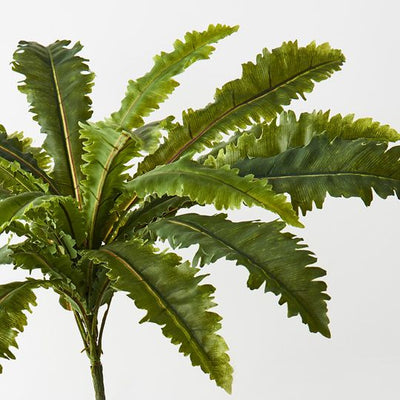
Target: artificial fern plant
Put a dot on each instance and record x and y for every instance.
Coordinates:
(90, 204)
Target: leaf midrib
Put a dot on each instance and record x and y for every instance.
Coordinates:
(328, 174)
(66, 132)
(191, 338)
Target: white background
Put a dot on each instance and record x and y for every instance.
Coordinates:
(274, 357)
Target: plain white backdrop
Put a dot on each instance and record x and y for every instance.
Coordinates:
(274, 357)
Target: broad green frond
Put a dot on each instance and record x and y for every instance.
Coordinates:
(342, 168)
(271, 257)
(221, 187)
(173, 298)
(107, 151)
(31, 159)
(266, 140)
(57, 83)
(146, 93)
(15, 298)
(273, 81)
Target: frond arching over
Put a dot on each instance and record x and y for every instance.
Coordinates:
(273, 81)
(221, 187)
(57, 83)
(342, 168)
(272, 258)
(173, 298)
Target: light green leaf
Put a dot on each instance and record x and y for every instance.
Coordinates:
(173, 298)
(146, 93)
(5, 255)
(270, 139)
(221, 187)
(107, 151)
(273, 81)
(149, 135)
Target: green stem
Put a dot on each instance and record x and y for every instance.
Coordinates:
(87, 325)
(97, 376)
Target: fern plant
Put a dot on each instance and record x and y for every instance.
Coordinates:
(90, 204)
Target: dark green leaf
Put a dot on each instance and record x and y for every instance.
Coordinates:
(57, 83)
(271, 257)
(173, 298)
(342, 168)
(153, 209)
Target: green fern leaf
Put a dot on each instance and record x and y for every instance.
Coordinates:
(271, 257)
(146, 93)
(221, 187)
(342, 168)
(276, 78)
(173, 298)
(266, 140)
(15, 298)
(107, 151)
(57, 83)
(31, 159)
